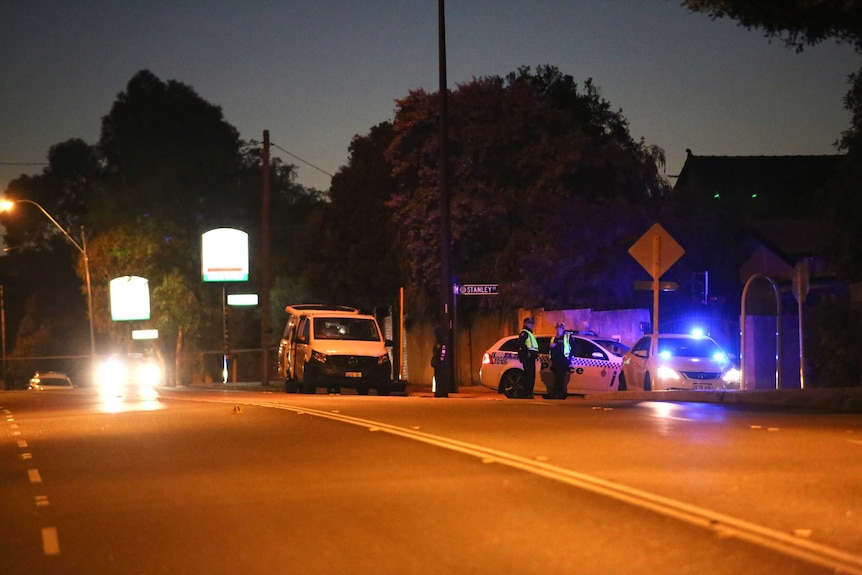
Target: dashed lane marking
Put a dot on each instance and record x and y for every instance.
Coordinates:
(50, 541)
(34, 476)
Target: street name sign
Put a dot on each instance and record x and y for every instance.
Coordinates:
(478, 289)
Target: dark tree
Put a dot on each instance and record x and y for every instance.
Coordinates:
(545, 179)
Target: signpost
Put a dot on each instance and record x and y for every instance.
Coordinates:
(656, 251)
(224, 258)
(800, 292)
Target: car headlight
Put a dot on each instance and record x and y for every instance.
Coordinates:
(732, 375)
(664, 372)
(318, 356)
(110, 373)
(149, 375)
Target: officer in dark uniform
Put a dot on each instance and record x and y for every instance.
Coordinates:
(440, 362)
(561, 358)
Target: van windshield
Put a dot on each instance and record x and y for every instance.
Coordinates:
(359, 329)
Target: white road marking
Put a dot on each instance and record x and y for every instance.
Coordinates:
(34, 476)
(50, 541)
(42, 501)
(22, 443)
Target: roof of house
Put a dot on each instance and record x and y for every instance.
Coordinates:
(757, 186)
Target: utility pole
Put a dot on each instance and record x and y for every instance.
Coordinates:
(446, 294)
(264, 265)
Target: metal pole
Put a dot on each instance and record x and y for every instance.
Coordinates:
(3, 330)
(445, 226)
(264, 265)
(89, 297)
(226, 357)
(801, 345)
(656, 262)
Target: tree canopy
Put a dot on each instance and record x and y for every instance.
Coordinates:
(797, 22)
(535, 160)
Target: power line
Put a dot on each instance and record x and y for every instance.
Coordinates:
(300, 159)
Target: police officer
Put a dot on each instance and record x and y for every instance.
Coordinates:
(440, 362)
(528, 353)
(561, 357)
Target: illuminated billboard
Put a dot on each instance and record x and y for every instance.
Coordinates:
(130, 298)
(224, 255)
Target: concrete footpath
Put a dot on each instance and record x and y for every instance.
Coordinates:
(844, 400)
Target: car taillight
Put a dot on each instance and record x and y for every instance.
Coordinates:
(486, 359)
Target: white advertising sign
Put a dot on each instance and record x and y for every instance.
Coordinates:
(224, 256)
(130, 298)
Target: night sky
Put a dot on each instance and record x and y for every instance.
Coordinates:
(316, 73)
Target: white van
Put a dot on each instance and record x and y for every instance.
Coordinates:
(333, 347)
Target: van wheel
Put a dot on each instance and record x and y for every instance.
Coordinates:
(290, 386)
(512, 383)
(308, 388)
(647, 382)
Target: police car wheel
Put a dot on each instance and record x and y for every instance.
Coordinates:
(512, 383)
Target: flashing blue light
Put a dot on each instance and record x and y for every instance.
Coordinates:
(719, 356)
(697, 332)
(665, 354)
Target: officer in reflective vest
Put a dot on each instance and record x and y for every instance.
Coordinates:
(528, 353)
(561, 358)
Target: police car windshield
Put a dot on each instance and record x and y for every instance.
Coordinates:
(357, 329)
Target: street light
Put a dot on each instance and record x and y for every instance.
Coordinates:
(7, 205)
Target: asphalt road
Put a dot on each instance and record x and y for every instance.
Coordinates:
(236, 482)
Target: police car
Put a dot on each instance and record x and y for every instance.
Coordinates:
(659, 362)
(595, 365)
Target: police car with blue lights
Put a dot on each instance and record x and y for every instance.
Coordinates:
(667, 361)
(594, 367)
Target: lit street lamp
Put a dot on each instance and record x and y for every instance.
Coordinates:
(6, 205)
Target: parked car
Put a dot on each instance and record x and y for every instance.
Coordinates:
(595, 366)
(50, 381)
(334, 347)
(677, 361)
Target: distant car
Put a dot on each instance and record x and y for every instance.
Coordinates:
(50, 381)
(595, 366)
(131, 374)
(677, 361)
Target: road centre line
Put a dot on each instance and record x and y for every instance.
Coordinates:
(33, 475)
(722, 525)
(50, 541)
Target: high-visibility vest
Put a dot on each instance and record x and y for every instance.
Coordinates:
(532, 343)
(567, 346)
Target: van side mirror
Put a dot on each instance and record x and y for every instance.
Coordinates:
(389, 343)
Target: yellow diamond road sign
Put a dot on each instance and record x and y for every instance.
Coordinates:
(656, 251)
